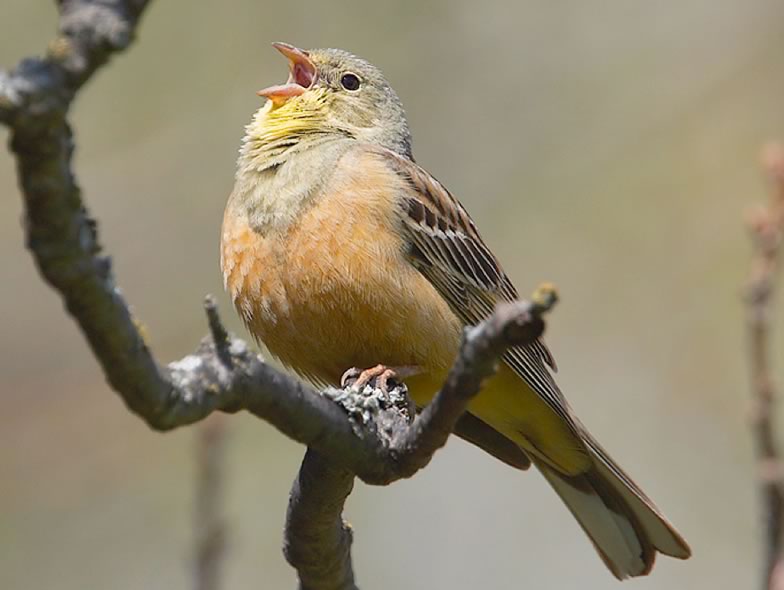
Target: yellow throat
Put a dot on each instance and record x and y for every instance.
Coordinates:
(277, 128)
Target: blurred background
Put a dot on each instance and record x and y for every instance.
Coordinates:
(609, 147)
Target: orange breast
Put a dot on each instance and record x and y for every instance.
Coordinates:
(334, 289)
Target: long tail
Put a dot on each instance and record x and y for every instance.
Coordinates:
(622, 522)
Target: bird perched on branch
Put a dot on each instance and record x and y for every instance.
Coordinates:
(339, 251)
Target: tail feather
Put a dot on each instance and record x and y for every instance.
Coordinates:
(613, 531)
(624, 525)
(663, 535)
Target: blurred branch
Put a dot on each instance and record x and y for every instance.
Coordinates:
(371, 434)
(766, 226)
(210, 530)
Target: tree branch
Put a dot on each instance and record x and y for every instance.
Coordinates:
(317, 541)
(39, 91)
(766, 226)
(371, 433)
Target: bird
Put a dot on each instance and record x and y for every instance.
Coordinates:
(339, 251)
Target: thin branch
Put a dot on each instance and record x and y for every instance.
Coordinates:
(483, 345)
(370, 434)
(766, 226)
(209, 526)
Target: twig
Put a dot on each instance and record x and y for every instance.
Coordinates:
(209, 527)
(511, 324)
(370, 434)
(766, 226)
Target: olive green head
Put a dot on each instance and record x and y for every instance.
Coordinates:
(332, 92)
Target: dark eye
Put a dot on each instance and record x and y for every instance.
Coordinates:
(350, 81)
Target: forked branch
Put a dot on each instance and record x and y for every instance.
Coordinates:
(370, 434)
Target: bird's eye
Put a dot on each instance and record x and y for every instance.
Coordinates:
(350, 81)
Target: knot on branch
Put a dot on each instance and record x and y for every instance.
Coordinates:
(375, 412)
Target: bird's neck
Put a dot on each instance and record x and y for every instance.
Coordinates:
(284, 162)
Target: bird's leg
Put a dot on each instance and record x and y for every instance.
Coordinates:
(380, 373)
(358, 379)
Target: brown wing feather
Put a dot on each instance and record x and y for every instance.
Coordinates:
(448, 250)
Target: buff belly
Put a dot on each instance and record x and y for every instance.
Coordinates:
(335, 291)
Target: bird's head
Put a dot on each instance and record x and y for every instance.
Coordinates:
(330, 92)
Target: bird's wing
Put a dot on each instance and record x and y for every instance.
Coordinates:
(447, 249)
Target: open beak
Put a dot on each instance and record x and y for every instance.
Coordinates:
(302, 75)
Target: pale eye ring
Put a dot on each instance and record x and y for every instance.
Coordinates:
(350, 81)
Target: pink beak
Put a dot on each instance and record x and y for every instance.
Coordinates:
(302, 75)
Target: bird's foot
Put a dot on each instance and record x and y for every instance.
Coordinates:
(381, 375)
(357, 379)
